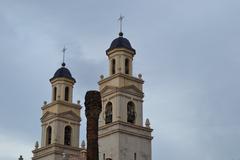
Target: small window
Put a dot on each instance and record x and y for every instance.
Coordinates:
(66, 93)
(49, 135)
(126, 66)
(135, 156)
(113, 66)
(67, 135)
(108, 113)
(131, 115)
(104, 156)
(55, 93)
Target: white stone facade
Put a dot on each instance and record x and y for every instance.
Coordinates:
(60, 125)
(121, 137)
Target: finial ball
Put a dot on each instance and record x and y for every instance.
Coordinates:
(120, 34)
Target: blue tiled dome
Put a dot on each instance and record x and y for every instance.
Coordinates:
(63, 72)
(120, 42)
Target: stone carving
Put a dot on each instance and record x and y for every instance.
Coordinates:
(140, 76)
(147, 123)
(83, 144)
(93, 106)
(36, 145)
(20, 158)
(64, 156)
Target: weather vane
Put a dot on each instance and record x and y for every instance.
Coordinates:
(64, 51)
(121, 19)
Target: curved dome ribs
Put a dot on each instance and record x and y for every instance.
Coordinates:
(120, 42)
(63, 72)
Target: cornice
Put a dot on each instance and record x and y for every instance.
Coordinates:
(122, 95)
(63, 79)
(72, 105)
(125, 124)
(61, 117)
(123, 76)
(139, 130)
(125, 132)
(54, 149)
(122, 91)
(120, 49)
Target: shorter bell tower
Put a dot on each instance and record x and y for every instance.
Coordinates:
(60, 121)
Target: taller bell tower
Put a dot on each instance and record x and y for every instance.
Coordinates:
(122, 135)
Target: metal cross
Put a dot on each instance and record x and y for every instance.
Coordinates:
(64, 51)
(121, 19)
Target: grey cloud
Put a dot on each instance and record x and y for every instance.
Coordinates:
(187, 51)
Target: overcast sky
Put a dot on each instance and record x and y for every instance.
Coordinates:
(187, 50)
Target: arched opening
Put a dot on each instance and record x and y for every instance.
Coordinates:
(67, 135)
(131, 114)
(55, 93)
(113, 66)
(49, 135)
(66, 93)
(135, 156)
(126, 66)
(108, 113)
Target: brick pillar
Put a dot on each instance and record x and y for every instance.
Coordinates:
(93, 106)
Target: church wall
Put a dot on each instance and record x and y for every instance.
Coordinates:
(48, 157)
(131, 145)
(43, 143)
(109, 146)
(120, 109)
(120, 57)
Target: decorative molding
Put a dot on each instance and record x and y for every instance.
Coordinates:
(131, 90)
(111, 88)
(125, 132)
(59, 79)
(125, 124)
(123, 95)
(71, 105)
(48, 115)
(129, 77)
(139, 130)
(116, 50)
(139, 100)
(55, 149)
(69, 115)
(104, 100)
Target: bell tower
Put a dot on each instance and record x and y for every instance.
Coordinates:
(122, 135)
(60, 121)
